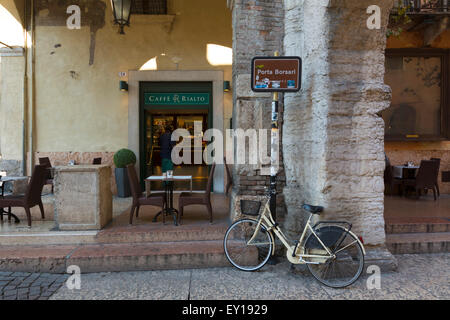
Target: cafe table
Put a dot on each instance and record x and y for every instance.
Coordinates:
(2, 187)
(168, 186)
(404, 172)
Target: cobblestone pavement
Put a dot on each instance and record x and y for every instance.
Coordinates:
(424, 276)
(29, 286)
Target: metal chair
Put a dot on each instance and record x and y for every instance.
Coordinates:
(187, 198)
(389, 179)
(438, 160)
(45, 161)
(32, 196)
(139, 199)
(229, 176)
(425, 179)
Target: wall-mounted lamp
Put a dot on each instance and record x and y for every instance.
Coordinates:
(226, 86)
(123, 86)
(121, 12)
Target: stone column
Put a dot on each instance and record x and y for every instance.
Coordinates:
(258, 29)
(333, 139)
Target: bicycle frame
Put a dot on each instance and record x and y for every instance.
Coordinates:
(297, 258)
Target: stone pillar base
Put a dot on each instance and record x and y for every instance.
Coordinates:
(381, 257)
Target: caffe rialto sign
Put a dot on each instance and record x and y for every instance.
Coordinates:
(176, 99)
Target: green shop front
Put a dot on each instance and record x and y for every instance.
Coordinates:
(194, 106)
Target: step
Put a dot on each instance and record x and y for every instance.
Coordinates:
(117, 234)
(401, 243)
(417, 225)
(115, 257)
(167, 233)
(29, 237)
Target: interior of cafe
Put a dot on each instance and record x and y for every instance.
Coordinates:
(155, 123)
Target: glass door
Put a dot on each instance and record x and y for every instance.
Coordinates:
(155, 124)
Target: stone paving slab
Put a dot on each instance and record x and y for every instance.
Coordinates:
(159, 285)
(29, 286)
(425, 276)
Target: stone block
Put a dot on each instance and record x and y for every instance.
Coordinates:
(83, 198)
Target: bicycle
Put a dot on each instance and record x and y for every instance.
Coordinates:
(333, 254)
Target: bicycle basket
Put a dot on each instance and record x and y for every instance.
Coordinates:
(250, 207)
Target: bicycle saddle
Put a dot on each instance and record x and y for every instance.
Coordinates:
(312, 209)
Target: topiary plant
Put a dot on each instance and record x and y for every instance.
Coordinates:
(124, 157)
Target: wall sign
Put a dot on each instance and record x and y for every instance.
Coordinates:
(276, 74)
(176, 99)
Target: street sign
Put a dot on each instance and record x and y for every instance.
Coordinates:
(276, 74)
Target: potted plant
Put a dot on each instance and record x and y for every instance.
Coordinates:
(122, 158)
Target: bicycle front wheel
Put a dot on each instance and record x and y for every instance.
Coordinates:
(244, 251)
(347, 264)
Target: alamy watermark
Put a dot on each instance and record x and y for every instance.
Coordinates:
(74, 20)
(74, 280)
(374, 280)
(251, 146)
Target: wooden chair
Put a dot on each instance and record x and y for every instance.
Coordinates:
(47, 164)
(32, 196)
(187, 198)
(139, 198)
(425, 179)
(437, 177)
(97, 161)
(229, 176)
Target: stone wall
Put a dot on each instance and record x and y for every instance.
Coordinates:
(333, 139)
(11, 113)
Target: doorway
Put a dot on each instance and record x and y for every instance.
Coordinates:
(178, 105)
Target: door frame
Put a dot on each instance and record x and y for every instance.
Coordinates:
(135, 77)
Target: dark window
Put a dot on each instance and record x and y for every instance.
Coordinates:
(149, 7)
(420, 94)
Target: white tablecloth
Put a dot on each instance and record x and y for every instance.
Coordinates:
(397, 171)
(164, 179)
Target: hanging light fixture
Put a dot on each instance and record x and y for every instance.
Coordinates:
(121, 11)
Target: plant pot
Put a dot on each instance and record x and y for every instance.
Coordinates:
(122, 183)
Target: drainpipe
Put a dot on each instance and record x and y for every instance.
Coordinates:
(25, 90)
(29, 86)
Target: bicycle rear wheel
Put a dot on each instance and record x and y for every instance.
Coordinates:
(242, 254)
(347, 265)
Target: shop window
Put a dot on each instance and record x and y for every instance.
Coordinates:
(420, 94)
(149, 7)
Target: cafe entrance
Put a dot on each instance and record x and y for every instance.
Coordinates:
(178, 105)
